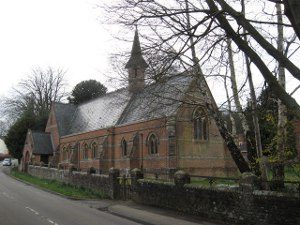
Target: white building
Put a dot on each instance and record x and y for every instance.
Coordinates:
(3, 148)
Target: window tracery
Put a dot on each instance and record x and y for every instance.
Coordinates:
(200, 123)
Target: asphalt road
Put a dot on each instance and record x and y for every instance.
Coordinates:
(21, 204)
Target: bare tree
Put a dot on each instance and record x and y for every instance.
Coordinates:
(292, 9)
(203, 27)
(234, 89)
(3, 128)
(253, 101)
(282, 110)
(231, 117)
(35, 93)
(209, 21)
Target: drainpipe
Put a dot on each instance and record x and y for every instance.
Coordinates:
(142, 149)
(78, 156)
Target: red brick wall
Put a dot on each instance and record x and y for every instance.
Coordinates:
(52, 128)
(28, 147)
(203, 157)
(142, 157)
(198, 157)
(113, 156)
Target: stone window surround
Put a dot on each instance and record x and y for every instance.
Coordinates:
(94, 148)
(152, 143)
(200, 125)
(124, 147)
(64, 153)
(85, 151)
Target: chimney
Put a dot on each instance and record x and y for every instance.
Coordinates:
(136, 66)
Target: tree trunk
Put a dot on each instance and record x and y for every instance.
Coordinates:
(262, 161)
(243, 22)
(214, 111)
(239, 109)
(282, 111)
(267, 74)
(292, 9)
(234, 88)
(232, 120)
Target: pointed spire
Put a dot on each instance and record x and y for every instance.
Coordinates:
(136, 59)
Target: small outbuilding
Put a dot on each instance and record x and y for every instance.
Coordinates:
(37, 149)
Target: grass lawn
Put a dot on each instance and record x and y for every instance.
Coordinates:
(59, 187)
(292, 173)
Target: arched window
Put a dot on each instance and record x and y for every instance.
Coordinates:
(153, 144)
(69, 152)
(124, 147)
(200, 123)
(64, 153)
(85, 151)
(94, 150)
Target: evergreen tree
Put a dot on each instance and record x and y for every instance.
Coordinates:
(268, 119)
(86, 90)
(16, 134)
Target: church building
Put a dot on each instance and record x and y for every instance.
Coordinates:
(160, 127)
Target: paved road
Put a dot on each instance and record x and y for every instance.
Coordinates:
(21, 204)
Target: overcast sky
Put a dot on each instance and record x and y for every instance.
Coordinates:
(62, 34)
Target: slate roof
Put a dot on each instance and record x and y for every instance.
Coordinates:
(122, 107)
(136, 59)
(42, 143)
(99, 113)
(64, 114)
(157, 100)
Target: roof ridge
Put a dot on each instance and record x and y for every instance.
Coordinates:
(101, 96)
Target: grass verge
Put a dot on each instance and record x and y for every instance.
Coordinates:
(60, 187)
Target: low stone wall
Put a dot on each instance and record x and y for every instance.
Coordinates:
(98, 182)
(244, 206)
(232, 207)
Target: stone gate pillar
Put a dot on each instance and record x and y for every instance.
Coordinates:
(114, 191)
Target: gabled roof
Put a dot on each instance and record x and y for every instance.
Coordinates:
(121, 107)
(64, 113)
(42, 143)
(99, 113)
(157, 100)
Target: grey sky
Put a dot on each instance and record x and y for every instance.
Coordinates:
(62, 34)
(59, 33)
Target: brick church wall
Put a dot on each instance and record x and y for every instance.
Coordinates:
(203, 157)
(113, 157)
(143, 158)
(196, 157)
(53, 128)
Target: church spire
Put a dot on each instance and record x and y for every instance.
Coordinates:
(136, 66)
(136, 59)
